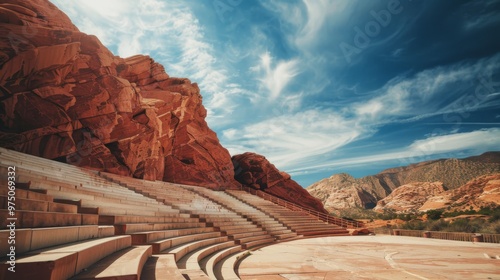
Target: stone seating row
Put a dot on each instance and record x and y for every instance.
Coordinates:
(93, 199)
(126, 228)
(241, 232)
(181, 236)
(93, 195)
(298, 221)
(269, 224)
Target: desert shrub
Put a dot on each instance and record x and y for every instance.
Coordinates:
(493, 228)
(414, 225)
(406, 217)
(439, 225)
(388, 214)
(465, 225)
(434, 214)
(494, 215)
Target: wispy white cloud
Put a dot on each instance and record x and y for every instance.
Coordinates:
(449, 89)
(275, 76)
(482, 21)
(290, 139)
(319, 12)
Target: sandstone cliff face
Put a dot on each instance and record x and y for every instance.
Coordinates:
(337, 193)
(255, 171)
(64, 96)
(410, 197)
(479, 192)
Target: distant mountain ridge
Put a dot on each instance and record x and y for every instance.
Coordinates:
(341, 191)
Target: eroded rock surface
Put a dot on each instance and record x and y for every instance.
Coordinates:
(255, 171)
(483, 191)
(410, 197)
(65, 96)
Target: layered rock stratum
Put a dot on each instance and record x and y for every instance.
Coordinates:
(255, 171)
(483, 191)
(410, 197)
(341, 191)
(65, 96)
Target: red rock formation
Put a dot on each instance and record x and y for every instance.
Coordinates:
(255, 171)
(410, 197)
(483, 191)
(64, 96)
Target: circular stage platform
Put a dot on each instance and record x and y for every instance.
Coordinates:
(373, 257)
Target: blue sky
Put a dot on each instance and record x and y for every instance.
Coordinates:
(324, 86)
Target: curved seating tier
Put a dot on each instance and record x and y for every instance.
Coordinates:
(77, 223)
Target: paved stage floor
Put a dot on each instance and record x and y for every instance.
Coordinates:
(373, 257)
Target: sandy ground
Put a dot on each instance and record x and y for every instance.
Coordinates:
(373, 257)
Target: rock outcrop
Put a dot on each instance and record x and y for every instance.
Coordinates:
(255, 171)
(64, 96)
(342, 191)
(410, 197)
(479, 192)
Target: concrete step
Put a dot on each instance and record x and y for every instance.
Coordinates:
(192, 260)
(152, 236)
(33, 219)
(131, 228)
(165, 244)
(225, 269)
(246, 225)
(238, 236)
(323, 232)
(232, 223)
(310, 225)
(161, 267)
(65, 261)
(318, 226)
(285, 236)
(122, 265)
(27, 194)
(95, 199)
(111, 192)
(241, 230)
(251, 238)
(31, 239)
(128, 219)
(182, 250)
(274, 227)
(38, 205)
(218, 219)
(228, 216)
(209, 263)
(259, 242)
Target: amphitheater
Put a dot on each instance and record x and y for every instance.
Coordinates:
(74, 223)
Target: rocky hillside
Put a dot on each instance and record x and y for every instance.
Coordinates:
(479, 192)
(255, 171)
(342, 191)
(65, 96)
(410, 197)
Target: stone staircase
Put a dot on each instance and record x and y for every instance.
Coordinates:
(81, 224)
(299, 222)
(268, 223)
